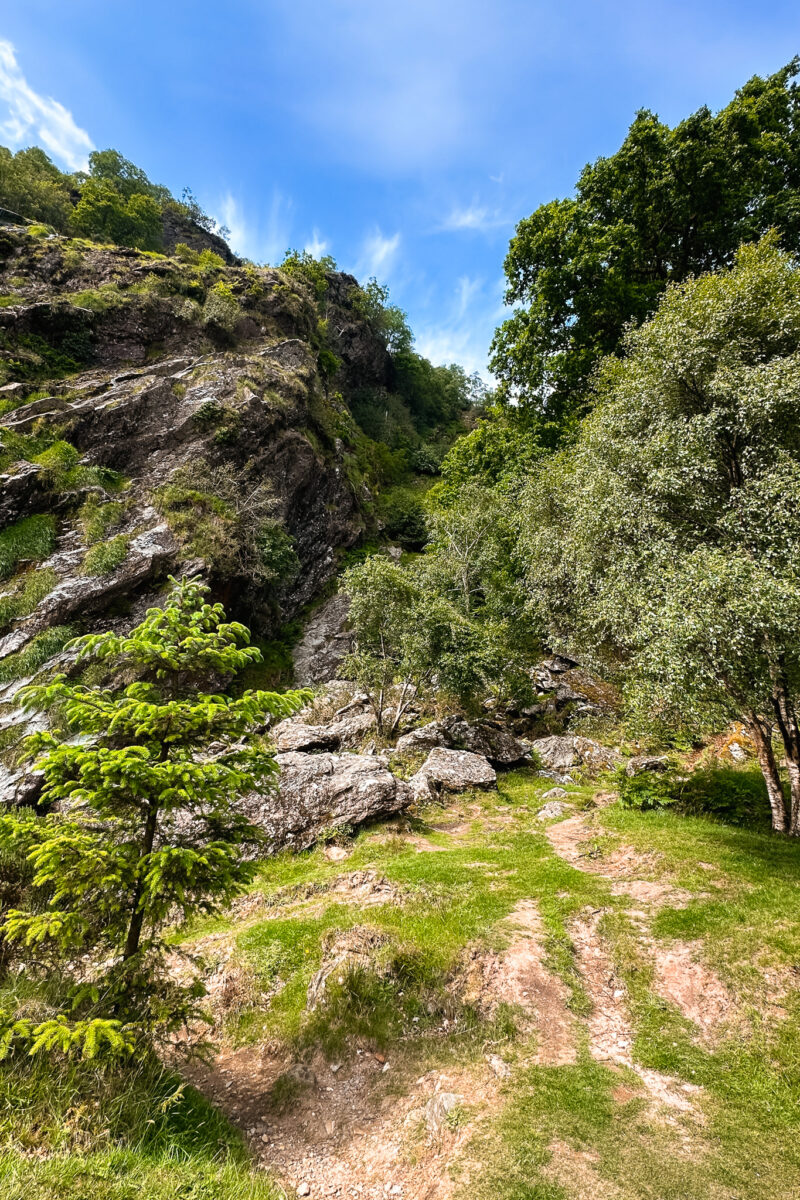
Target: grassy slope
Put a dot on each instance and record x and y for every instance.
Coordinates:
(744, 926)
(741, 921)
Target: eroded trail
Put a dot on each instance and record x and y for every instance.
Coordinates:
(371, 1125)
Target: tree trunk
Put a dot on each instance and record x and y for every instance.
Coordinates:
(762, 737)
(786, 718)
(137, 916)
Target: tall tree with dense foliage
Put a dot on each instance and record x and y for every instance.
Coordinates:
(668, 539)
(141, 828)
(670, 203)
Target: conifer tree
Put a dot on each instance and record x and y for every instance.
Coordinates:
(139, 828)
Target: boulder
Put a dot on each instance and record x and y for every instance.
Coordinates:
(553, 808)
(294, 735)
(347, 733)
(451, 771)
(556, 753)
(424, 738)
(596, 757)
(488, 738)
(560, 753)
(317, 791)
(645, 762)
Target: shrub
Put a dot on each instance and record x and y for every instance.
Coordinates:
(185, 254)
(207, 260)
(737, 795)
(31, 538)
(221, 517)
(221, 310)
(302, 265)
(403, 518)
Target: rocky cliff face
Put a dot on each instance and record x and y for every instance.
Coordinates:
(158, 414)
(123, 371)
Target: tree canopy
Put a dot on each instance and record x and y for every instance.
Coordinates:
(667, 540)
(113, 202)
(670, 203)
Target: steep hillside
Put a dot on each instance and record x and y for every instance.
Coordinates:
(161, 414)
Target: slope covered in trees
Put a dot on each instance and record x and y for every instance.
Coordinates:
(113, 201)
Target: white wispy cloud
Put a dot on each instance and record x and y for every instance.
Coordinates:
(264, 236)
(475, 217)
(316, 245)
(463, 331)
(378, 254)
(33, 117)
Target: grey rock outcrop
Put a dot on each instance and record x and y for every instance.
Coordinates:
(488, 738)
(324, 644)
(559, 754)
(317, 791)
(556, 753)
(451, 771)
(646, 762)
(345, 733)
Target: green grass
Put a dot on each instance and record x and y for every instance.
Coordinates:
(32, 538)
(97, 518)
(105, 557)
(449, 898)
(748, 1145)
(29, 590)
(78, 1131)
(740, 920)
(452, 900)
(36, 653)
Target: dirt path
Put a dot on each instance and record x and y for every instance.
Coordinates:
(366, 1128)
(359, 1128)
(679, 976)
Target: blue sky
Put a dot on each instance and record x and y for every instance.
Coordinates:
(404, 139)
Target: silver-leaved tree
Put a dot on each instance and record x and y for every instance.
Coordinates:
(667, 539)
(140, 827)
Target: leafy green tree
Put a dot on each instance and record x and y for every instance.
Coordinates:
(501, 452)
(669, 204)
(141, 830)
(388, 321)
(667, 541)
(104, 213)
(302, 265)
(124, 176)
(384, 601)
(32, 186)
(454, 617)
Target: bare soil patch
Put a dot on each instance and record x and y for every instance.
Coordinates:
(358, 1129)
(691, 986)
(518, 977)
